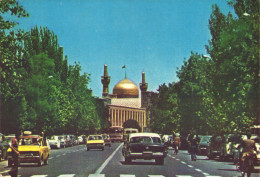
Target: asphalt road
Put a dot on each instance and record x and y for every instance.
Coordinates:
(78, 162)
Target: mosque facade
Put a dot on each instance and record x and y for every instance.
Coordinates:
(127, 103)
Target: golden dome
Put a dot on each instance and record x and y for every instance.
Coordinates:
(126, 89)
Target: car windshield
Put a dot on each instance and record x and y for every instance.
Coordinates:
(142, 139)
(156, 140)
(205, 139)
(29, 141)
(95, 138)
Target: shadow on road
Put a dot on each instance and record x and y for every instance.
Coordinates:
(138, 163)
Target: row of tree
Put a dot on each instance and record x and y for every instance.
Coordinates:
(218, 93)
(39, 90)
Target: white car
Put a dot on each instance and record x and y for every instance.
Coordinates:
(55, 142)
(81, 139)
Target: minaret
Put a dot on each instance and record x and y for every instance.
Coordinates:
(105, 81)
(143, 88)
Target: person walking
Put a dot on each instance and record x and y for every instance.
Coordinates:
(194, 148)
(15, 154)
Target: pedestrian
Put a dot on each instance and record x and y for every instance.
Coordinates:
(194, 148)
(15, 154)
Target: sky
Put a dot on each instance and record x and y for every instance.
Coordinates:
(151, 36)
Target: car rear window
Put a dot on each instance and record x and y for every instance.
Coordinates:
(145, 139)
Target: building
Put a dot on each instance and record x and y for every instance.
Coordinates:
(125, 105)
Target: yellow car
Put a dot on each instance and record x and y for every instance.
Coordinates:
(32, 149)
(95, 142)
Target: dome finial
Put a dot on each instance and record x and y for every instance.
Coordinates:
(124, 67)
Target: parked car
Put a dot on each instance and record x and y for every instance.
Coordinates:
(95, 142)
(71, 140)
(55, 142)
(81, 139)
(204, 145)
(228, 146)
(63, 141)
(4, 145)
(33, 149)
(144, 146)
(107, 140)
(215, 145)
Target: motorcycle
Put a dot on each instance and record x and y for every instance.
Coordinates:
(247, 164)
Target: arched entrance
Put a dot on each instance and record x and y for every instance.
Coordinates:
(132, 124)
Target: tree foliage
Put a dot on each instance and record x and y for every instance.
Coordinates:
(219, 93)
(39, 90)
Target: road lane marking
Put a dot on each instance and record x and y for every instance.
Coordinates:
(199, 170)
(96, 175)
(107, 160)
(190, 166)
(206, 174)
(183, 162)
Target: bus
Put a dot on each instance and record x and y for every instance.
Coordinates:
(116, 133)
(127, 131)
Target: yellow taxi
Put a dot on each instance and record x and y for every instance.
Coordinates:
(32, 149)
(95, 142)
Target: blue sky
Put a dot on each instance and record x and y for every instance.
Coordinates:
(154, 36)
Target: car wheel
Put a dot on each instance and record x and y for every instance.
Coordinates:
(128, 160)
(10, 163)
(159, 161)
(46, 162)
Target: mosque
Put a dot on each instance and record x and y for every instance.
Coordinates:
(125, 104)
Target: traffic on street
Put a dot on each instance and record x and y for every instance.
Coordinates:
(76, 161)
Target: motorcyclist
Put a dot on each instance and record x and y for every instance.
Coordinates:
(176, 143)
(248, 149)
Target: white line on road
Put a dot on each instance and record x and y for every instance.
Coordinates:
(190, 166)
(96, 175)
(108, 159)
(199, 170)
(206, 174)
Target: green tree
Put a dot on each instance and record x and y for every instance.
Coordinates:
(12, 102)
